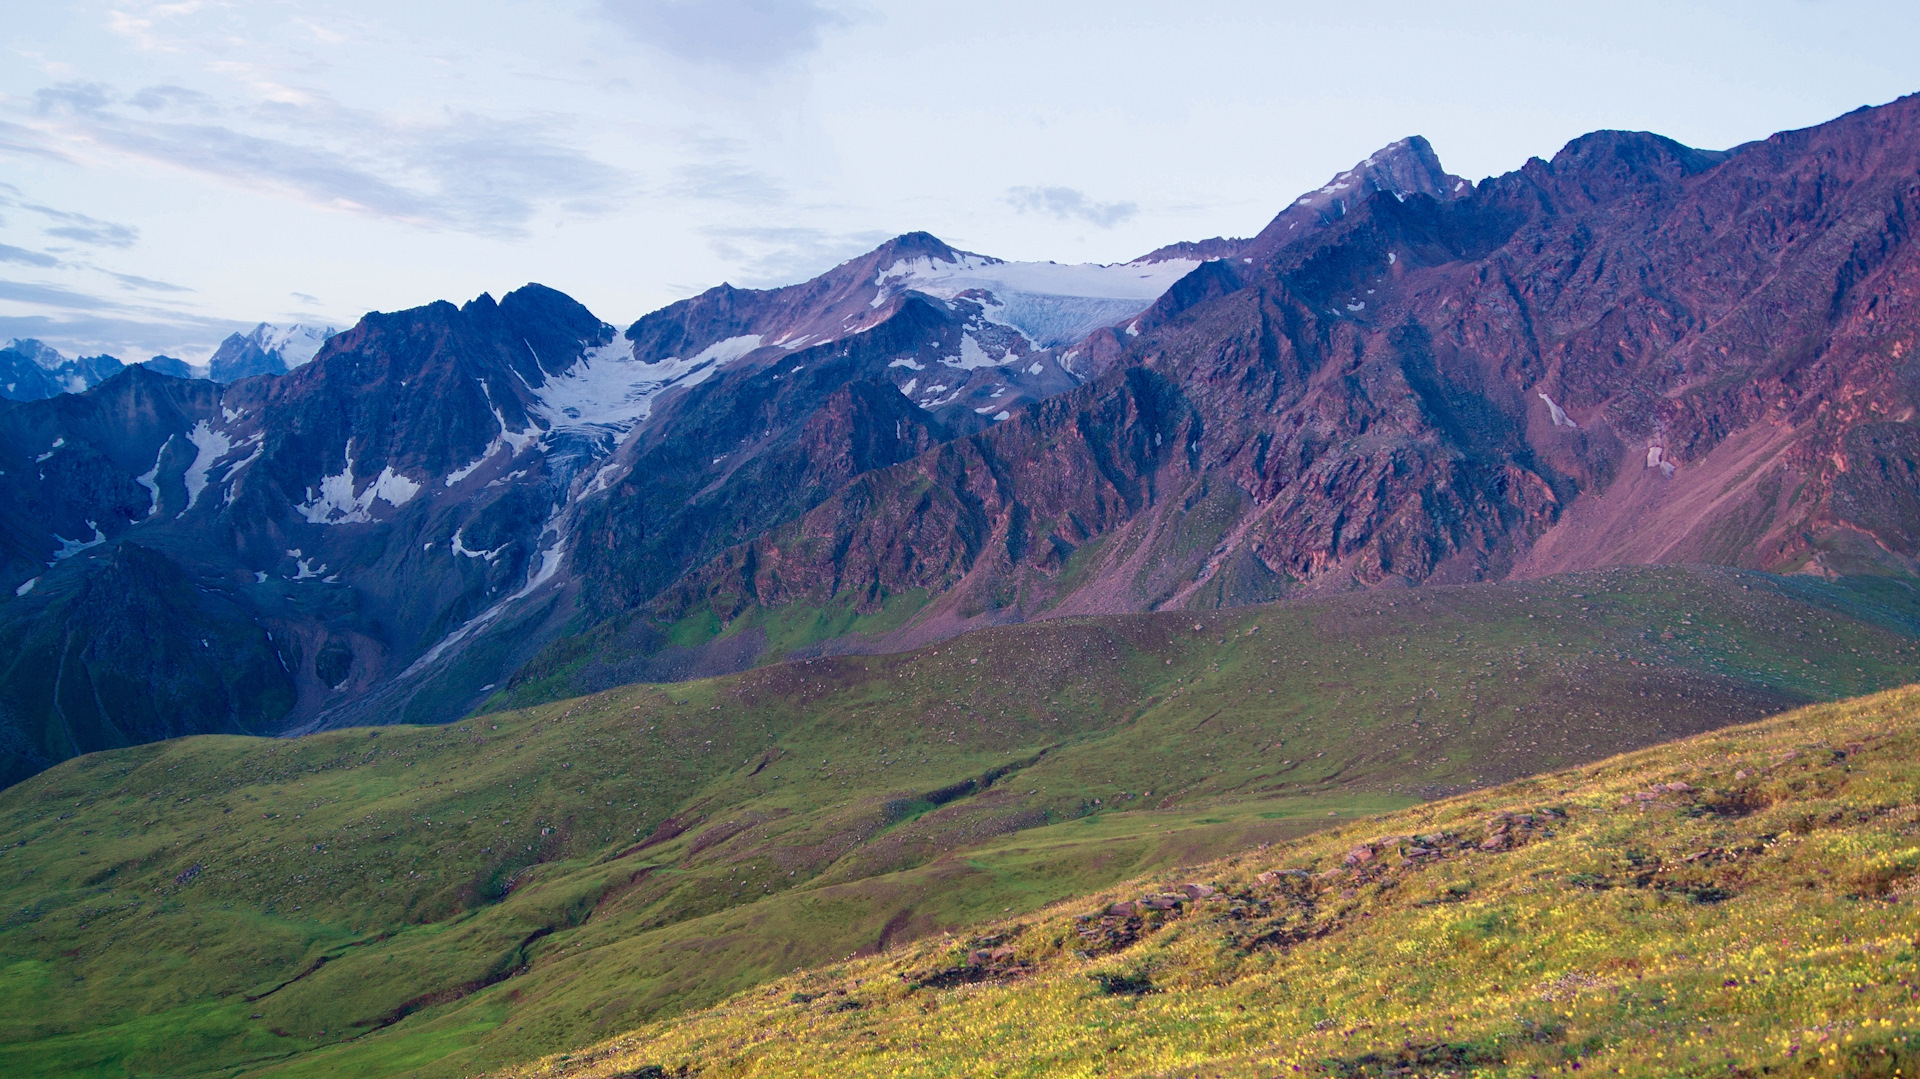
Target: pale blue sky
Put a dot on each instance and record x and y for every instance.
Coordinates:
(171, 169)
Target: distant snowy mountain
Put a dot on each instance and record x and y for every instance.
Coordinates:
(30, 370)
(267, 349)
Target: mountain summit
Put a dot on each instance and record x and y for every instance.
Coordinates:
(266, 350)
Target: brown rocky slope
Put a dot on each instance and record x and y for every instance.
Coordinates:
(1634, 352)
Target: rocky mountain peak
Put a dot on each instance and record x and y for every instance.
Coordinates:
(267, 349)
(1403, 168)
(42, 355)
(914, 245)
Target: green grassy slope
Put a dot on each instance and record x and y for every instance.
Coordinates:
(1741, 903)
(438, 900)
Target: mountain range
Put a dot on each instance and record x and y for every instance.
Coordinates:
(33, 370)
(1635, 352)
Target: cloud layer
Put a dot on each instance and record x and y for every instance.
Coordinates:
(1069, 204)
(460, 171)
(744, 35)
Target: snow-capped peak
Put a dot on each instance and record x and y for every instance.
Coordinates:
(296, 343)
(44, 356)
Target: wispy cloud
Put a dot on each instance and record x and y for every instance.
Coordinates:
(53, 296)
(744, 35)
(19, 140)
(1067, 203)
(86, 230)
(135, 281)
(726, 182)
(782, 255)
(68, 225)
(459, 171)
(141, 22)
(9, 253)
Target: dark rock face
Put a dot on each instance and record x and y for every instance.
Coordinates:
(358, 509)
(132, 651)
(1635, 352)
(242, 357)
(170, 366)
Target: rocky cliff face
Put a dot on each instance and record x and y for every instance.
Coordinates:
(439, 492)
(1634, 352)
(352, 514)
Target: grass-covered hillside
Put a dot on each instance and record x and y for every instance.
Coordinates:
(1740, 903)
(439, 900)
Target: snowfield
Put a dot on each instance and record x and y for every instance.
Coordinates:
(1049, 303)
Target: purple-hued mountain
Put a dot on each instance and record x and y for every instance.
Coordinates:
(1633, 352)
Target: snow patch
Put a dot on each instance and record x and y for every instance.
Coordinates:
(27, 587)
(335, 503)
(1559, 415)
(493, 447)
(57, 443)
(150, 479)
(1049, 304)
(1656, 458)
(972, 356)
(209, 446)
(69, 548)
(258, 441)
(1001, 415)
(460, 548)
(908, 363)
(607, 391)
(907, 390)
(603, 478)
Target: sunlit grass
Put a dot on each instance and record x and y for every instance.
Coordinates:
(1764, 919)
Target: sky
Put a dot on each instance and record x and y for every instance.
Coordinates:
(173, 171)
